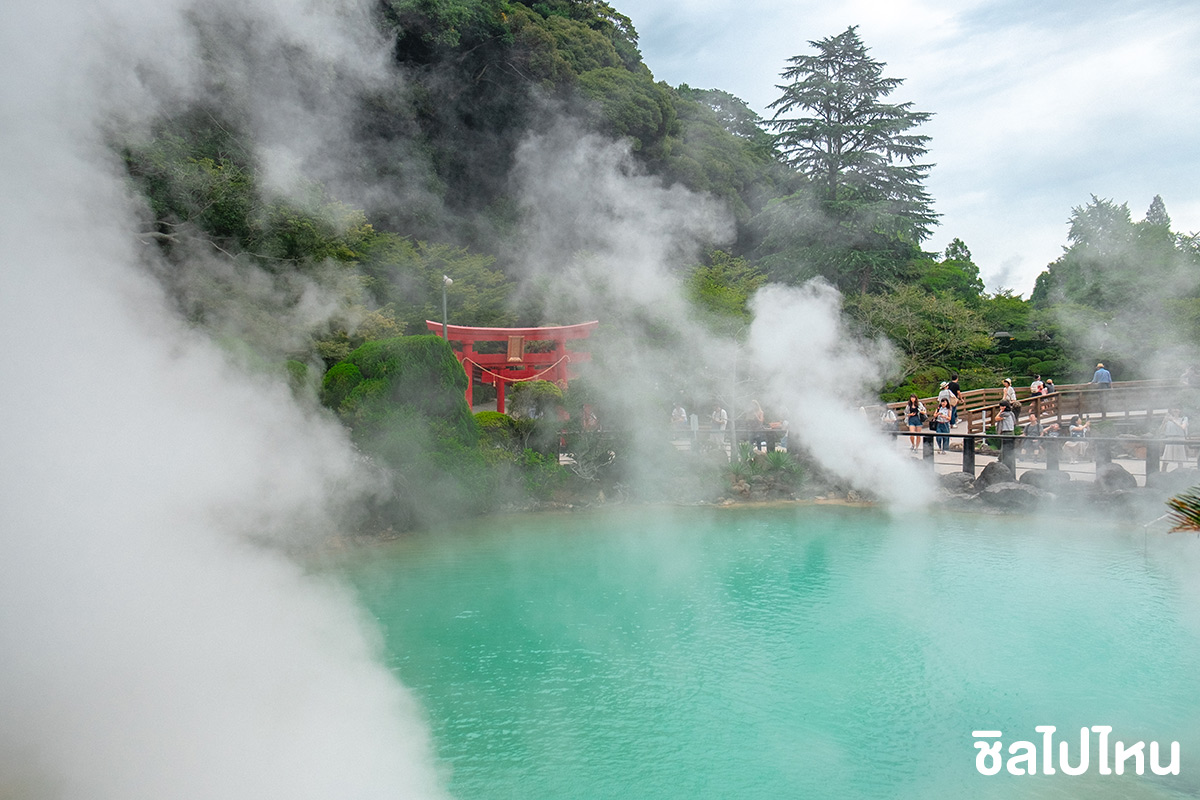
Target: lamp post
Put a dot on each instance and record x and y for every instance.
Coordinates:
(446, 281)
(733, 443)
(734, 453)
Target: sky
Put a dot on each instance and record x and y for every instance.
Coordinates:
(1037, 106)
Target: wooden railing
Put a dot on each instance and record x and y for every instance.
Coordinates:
(1098, 449)
(1129, 400)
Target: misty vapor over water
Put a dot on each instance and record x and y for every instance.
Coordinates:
(150, 644)
(147, 647)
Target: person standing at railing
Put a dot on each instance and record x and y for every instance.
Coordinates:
(914, 417)
(679, 418)
(1102, 377)
(1009, 395)
(942, 418)
(1175, 426)
(1076, 448)
(955, 398)
(1006, 420)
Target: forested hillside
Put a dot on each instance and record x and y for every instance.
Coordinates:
(831, 187)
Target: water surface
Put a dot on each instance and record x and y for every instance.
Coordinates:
(787, 653)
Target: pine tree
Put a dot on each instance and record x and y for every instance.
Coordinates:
(1157, 213)
(834, 127)
(861, 157)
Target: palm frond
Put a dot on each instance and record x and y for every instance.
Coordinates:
(1185, 511)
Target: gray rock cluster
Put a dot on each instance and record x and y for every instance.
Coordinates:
(1114, 491)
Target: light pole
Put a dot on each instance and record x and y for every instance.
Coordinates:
(733, 445)
(446, 281)
(734, 453)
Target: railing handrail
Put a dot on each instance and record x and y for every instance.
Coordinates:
(978, 414)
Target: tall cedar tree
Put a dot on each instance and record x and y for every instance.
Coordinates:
(834, 127)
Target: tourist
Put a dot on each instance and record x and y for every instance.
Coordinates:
(1049, 387)
(1006, 420)
(679, 417)
(590, 421)
(942, 418)
(1102, 377)
(719, 418)
(955, 398)
(1175, 426)
(914, 417)
(1037, 388)
(1076, 448)
(1009, 394)
(757, 423)
(1033, 428)
(944, 392)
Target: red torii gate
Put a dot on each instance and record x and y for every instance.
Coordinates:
(516, 364)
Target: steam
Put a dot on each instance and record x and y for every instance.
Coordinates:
(150, 644)
(815, 369)
(607, 242)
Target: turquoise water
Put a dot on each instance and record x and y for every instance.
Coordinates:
(787, 653)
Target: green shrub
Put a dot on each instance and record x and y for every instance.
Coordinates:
(339, 381)
(500, 431)
(404, 401)
(534, 399)
(542, 473)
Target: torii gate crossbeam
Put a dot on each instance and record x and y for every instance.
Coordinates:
(516, 364)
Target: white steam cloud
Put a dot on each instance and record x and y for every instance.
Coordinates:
(148, 648)
(606, 241)
(816, 369)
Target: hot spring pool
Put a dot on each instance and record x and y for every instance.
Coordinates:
(789, 653)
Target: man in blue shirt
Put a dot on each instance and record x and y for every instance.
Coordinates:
(1102, 377)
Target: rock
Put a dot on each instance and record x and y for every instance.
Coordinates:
(1013, 496)
(994, 472)
(1113, 477)
(1173, 482)
(1049, 480)
(957, 483)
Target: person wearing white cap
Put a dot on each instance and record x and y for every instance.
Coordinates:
(1010, 394)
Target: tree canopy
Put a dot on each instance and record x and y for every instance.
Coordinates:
(862, 160)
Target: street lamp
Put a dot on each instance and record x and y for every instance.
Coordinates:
(446, 281)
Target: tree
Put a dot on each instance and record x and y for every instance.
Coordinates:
(928, 331)
(721, 290)
(852, 145)
(955, 276)
(858, 151)
(1157, 213)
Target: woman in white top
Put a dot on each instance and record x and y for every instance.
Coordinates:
(1010, 394)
